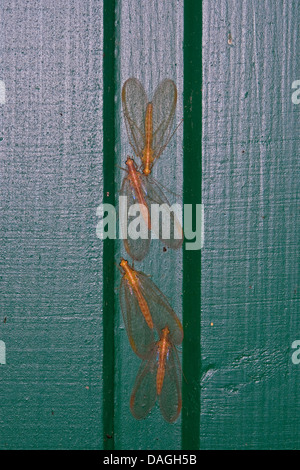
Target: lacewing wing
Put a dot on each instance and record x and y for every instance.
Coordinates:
(140, 299)
(149, 124)
(162, 313)
(159, 376)
(155, 196)
(141, 337)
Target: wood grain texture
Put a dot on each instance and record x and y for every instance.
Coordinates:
(51, 182)
(250, 272)
(50, 257)
(150, 49)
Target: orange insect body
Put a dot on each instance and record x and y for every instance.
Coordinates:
(163, 347)
(133, 175)
(133, 281)
(147, 158)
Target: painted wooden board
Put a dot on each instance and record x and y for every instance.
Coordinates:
(149, 48)
(51, 182)
(250, 269)
(50, 257)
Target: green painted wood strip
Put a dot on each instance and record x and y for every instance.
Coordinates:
(192, 175)
(50, 257)
(109, 244)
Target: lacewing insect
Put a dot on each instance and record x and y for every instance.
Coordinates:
(149, 124)
(143, 190)
(159, 376)
(145, 310)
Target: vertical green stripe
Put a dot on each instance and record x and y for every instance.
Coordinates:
(192, 176)
(109, 197)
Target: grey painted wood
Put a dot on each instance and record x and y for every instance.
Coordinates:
(50, 170)
(51, 184)
(250, 258)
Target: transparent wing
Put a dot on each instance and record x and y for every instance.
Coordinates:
(164, 105)
(162, 313)
(134, 102)
(170, 398)
(143, 395)
(136, 248)
(141, 337)
(166, 226)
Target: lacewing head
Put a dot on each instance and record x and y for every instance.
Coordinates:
(165, 333)
(130, 164)
(124, 264)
